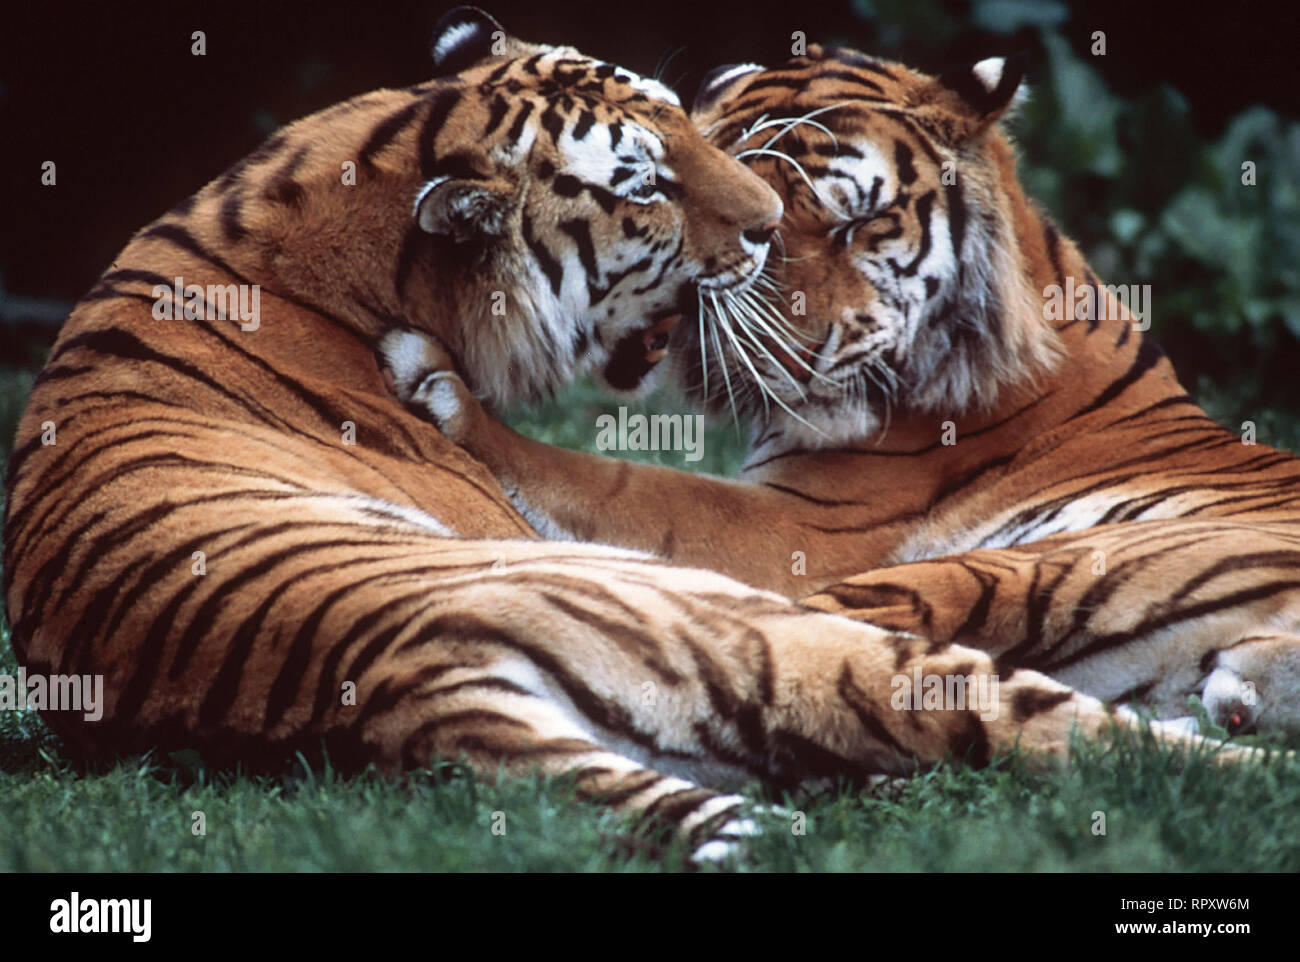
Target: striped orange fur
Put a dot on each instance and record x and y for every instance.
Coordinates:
(934, 451)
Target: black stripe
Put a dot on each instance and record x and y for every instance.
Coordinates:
(205, 616)
(903, 162)
(414, 243)
(175, 234)
(858, 700)
(517, 127)
(956, 217)
(444, 102)
(148, 656)
(1148, 356)
(471, 628)
(231, 226)
(861, 61)
(1028, 702)
(1053, 240)
(386, 131)
(1238, 599)
(283, 189)
(545, 259)
(580, 231)
(552, 122)
(586, 120)
(496, 113)
(130, 274)
(923, 206)
(236, 171)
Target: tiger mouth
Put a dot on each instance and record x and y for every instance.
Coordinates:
(735, 287)
(641, 350)
(638, 353)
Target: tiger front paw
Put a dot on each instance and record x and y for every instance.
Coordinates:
(422, 374)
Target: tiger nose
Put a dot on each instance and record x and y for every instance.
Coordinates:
(761, 235)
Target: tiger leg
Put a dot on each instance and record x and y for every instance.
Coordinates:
(1137, 612)
(251, 618)
(708, 684)
(641, 504)
(501, 719)
(345, 623)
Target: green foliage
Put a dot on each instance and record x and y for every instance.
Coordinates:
(1220, 255)
(15, 385)
(569, 421)
(1148, 199)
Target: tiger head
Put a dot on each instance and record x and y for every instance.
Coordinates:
(563, 211)
(898, 285)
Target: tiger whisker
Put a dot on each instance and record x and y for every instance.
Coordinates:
(788, 346)
(767, 306)
(732, 325)
(704, 358)
(722, 361)
(744, 314)
(805, 120)
(826, 202)
(745, 133)
(762, 305)
(773, 323)
(764, 387)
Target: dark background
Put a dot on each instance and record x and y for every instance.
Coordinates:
(134, 122)
(112, 94)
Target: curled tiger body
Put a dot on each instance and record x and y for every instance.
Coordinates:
(262, 552)
(934, 449)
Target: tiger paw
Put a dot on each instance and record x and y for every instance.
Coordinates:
(422, 374)
(409, 357)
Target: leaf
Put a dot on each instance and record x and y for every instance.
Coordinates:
(1126, 224)
(1089, 109)
(1008, 16)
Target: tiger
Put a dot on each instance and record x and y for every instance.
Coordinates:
(229, 518)
(930, 450)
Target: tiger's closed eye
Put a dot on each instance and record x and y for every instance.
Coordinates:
(842, 232)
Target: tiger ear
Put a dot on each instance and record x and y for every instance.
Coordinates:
(718, 80)
(983, 92)
(463, 209)
(465, 36)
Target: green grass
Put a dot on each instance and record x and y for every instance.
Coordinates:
(137, 815)
(570, 421)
